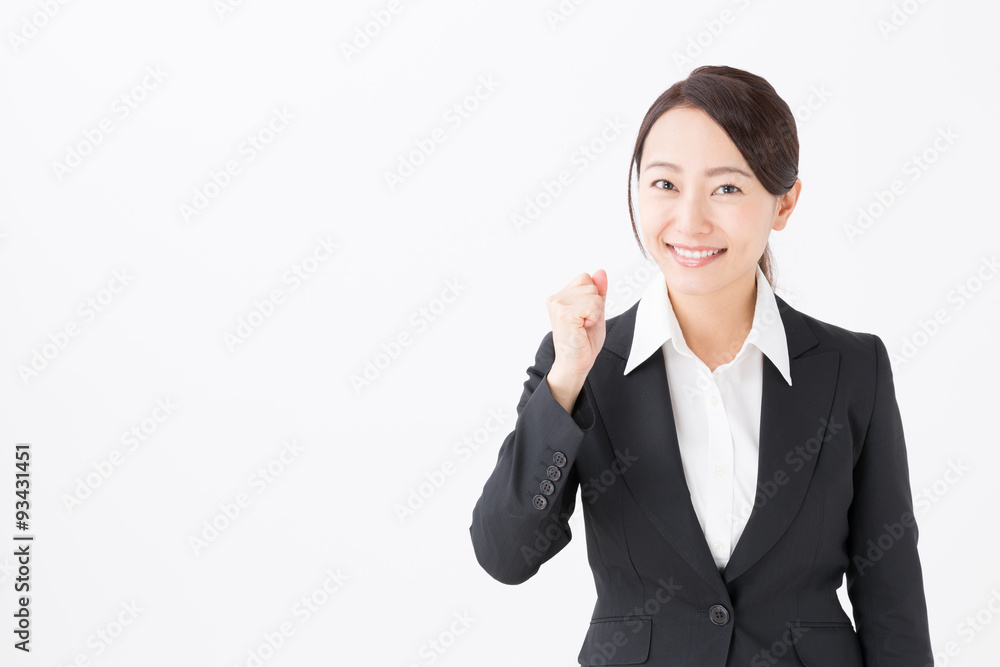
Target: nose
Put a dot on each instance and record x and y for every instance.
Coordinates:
(691, 215)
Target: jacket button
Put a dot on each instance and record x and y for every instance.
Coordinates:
(718, 614)
(541, 502)
(553, 472)
(547, 487)
(559, 459)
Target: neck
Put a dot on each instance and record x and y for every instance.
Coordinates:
(716, 325)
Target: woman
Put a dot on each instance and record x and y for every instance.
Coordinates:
(735, 456)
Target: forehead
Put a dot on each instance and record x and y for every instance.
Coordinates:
(689, 137)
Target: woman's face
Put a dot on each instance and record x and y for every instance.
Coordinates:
(697, 193)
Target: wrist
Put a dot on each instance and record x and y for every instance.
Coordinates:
(565, 388)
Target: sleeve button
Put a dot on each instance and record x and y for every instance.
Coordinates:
(559, 459)
(553, 472)
(548, 488)
(540, 502)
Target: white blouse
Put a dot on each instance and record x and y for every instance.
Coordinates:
(717, 413)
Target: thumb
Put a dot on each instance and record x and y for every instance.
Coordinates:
(600, 279)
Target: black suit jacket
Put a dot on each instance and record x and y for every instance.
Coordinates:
(833, 498)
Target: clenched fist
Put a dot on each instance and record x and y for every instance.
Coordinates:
(577, 315)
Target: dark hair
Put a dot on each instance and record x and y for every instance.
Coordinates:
(749, 110)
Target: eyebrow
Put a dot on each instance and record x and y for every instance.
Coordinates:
(714, 171)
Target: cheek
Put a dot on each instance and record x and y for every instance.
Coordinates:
(649, 216)
(747, 224)
(655, 210)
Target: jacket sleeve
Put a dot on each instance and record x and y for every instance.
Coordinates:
(884, 578)
(522, 517)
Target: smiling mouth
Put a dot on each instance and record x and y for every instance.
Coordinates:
(695, 254)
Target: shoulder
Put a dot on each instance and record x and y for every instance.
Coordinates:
(862, 350)
(832, 334)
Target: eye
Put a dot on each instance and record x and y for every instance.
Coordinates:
(655, 184)
(729, 185)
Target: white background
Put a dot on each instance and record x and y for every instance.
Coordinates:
(867, 101)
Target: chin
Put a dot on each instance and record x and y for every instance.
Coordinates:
(696, 287)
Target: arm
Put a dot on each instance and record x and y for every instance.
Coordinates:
(884, 578)
(513, 532)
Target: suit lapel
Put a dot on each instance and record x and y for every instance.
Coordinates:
(636, 410)
(793, 420)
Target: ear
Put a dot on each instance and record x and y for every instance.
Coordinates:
(785, 204)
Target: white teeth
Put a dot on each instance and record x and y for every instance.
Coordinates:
(695, 255)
